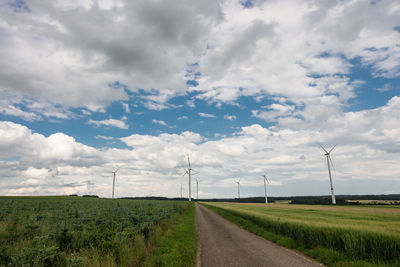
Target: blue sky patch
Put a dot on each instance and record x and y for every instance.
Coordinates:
(20, 6)
(247, 3)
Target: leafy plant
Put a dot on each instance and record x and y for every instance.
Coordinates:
(76, 231)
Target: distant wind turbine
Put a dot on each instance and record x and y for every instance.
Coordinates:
(189, 171)
(329, 161)
(197, 187)
(181, 190)
(238, 183)
(114, 176)
(265, 187)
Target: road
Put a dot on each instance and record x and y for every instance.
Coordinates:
(222, 243)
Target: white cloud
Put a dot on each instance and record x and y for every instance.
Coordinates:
(229, 117)
(22, 106)
(14, 111)
(33, 147)
(43, 55)
(156, 105)
(286, 48)
(384, 88)
(104, 137)
(231, 149)
(206, 115)
(110, 123)
(161, 122)
(85, 112)
(126, 107)
(190, 103)
(34, 174)
(274, 111)
(290, 49)
(289, 152)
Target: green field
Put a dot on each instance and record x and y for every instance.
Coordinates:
(76, 231)
(336, 235)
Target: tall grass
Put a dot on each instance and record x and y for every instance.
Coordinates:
(355, 244)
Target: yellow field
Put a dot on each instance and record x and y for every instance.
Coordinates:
(377, 219)
(335, 235)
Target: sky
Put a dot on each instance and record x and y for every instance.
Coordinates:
(245, 88)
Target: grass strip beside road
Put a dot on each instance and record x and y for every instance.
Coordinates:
(329, 245)
(178, 247)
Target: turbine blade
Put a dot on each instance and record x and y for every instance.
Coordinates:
(265, 177)
(117, 168)
(323, 148)
(332, 148)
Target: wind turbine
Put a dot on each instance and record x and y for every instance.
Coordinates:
(265, 187)
(197, 182)
(114, 174)
(188, 171)
(238, 183)
(329, 161)
(181, 190)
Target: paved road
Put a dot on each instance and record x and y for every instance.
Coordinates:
(223, 243)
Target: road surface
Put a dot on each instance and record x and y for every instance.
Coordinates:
(222, 243)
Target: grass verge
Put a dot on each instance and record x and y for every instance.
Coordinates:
(178, 247)
(333, 247)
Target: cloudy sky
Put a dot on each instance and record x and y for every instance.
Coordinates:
(244, 87)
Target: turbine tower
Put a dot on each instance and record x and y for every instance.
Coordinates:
(114, 176)
(181, 190)
(265, 187)
(238, 183)
(189, 171)
(197, 183)
(329, 161)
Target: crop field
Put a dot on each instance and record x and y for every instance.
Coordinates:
(369, 234)
(75, 231)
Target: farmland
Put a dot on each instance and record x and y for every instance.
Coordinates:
(335, 235)
(75, 231)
